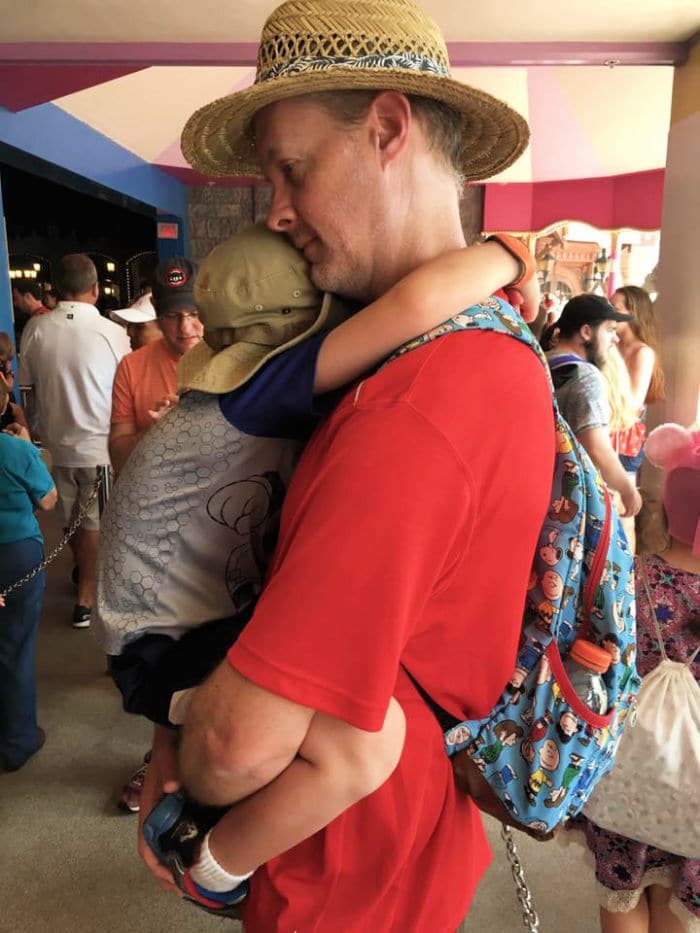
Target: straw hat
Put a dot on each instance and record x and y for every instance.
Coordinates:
(325, 45)
(256, 284)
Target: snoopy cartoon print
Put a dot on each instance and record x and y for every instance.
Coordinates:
(549, 553)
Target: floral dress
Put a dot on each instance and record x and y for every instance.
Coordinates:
(624, 868)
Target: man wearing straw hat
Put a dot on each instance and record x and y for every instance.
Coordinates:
(392, 556)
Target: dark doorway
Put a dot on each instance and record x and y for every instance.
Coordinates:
(46, 219)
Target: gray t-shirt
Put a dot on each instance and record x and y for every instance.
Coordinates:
(190, 524)
(581, 394)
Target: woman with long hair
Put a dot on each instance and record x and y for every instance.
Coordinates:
(639, 348)
(639, 345)
(624, 415)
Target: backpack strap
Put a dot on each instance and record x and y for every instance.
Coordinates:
(564, 360)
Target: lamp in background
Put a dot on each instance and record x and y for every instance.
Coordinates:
(601, 265)
(545, 265)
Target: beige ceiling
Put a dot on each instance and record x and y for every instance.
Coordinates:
(241, 20)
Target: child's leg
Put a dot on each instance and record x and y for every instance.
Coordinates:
(337, 765)
(662, 919)
(631, 921)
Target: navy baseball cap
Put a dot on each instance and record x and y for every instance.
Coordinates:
(173, 285)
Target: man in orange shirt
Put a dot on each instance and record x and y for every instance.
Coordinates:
(147, 376)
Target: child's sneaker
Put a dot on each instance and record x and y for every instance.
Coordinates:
(176, 825)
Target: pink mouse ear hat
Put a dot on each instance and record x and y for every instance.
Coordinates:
(677, 451)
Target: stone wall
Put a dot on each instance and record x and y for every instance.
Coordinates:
(217, 212)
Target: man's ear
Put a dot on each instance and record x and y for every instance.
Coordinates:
(390, 116)
(586, 333)
(95, 291)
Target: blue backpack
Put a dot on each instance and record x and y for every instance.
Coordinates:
(541, 750)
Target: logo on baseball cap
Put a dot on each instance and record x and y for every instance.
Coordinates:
(173, 284)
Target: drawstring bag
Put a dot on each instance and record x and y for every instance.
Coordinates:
(652, 793)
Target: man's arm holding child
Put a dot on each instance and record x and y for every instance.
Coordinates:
(336, 765)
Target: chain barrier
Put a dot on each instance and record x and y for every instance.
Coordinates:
(70, 531)
(531, 921)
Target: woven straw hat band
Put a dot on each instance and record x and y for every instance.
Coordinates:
(298, 33)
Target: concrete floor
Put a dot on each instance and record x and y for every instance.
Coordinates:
(68, 862)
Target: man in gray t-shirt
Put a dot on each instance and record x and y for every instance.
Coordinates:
(587, 330)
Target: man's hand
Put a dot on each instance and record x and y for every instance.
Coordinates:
(162, 407)
(18, 430)
(162, 777)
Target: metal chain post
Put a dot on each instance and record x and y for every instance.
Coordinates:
(75, 524)
(531, 921)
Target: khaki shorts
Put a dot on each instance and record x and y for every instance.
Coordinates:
(74, 486)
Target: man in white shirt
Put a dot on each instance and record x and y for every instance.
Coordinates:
(70, 357)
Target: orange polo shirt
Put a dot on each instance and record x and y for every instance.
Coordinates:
(143, 377)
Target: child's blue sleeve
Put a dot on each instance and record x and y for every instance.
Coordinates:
(278, 401)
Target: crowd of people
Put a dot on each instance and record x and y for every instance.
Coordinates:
(305, 525)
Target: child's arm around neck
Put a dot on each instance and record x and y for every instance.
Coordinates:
(427, 296)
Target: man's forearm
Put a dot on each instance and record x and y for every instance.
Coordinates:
(336, 767)
(120, 449)
(237, 738)
(270, 821)
(613, 472)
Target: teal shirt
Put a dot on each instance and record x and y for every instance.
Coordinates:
(24, 480)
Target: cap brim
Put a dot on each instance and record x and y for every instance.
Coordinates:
(178, 302)
(205, 370)
(218, 140)
(131, 316)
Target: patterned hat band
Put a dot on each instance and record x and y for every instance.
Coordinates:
(403, 62)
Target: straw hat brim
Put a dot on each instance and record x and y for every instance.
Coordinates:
(218, 138)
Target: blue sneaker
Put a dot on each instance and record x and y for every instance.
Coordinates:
(176, 825)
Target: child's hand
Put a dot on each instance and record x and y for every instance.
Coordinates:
(526, 299)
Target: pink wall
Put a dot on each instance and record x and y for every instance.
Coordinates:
(633, 200)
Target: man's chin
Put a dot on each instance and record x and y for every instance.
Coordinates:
(327, 280)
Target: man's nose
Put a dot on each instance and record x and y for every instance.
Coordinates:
(281, 217)
(189, 325)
